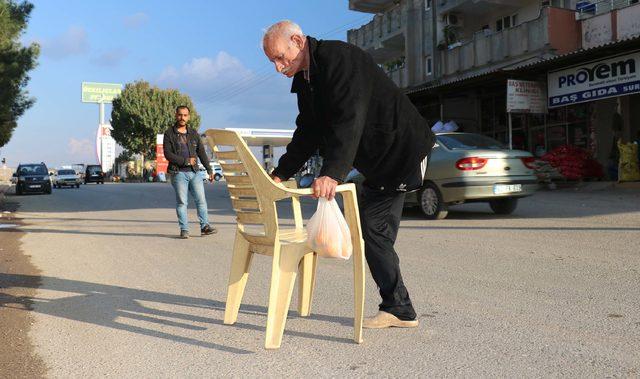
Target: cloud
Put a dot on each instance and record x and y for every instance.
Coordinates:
(136, 20)
(81, 148)
(204, 74)
(72, 42)
(228, 94)
(110, 58)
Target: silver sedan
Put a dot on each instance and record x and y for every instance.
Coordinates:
(468, 167)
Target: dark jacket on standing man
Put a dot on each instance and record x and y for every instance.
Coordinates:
(359, 118)
(173, 154)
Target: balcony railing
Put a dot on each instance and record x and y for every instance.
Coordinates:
(488, 48)
(382, 27)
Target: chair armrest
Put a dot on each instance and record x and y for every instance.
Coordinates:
(291, 184)
(288, 192)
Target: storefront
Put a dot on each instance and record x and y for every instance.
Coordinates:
(594, 99)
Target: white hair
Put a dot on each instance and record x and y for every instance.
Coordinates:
(284, 29)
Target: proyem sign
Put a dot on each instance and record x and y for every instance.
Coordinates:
(616, 76)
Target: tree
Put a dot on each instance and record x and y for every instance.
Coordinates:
(141, 112)
(15, 63)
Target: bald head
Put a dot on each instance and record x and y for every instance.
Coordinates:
(286, 47)
(284, 29)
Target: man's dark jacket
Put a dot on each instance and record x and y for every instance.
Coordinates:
(357, 116)
(173, 154)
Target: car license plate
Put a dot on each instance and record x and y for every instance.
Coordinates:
(499, 189)
(35, 186)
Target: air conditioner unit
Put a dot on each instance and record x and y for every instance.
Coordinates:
(453, 19)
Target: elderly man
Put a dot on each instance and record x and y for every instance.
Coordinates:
(357, 116)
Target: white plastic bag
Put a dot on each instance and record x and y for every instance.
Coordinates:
(438, 127)
(450, 126)
(328, 233)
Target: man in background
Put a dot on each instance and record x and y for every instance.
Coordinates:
(182, 148)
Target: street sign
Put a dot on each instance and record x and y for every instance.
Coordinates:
(100, 92)
(526, 97)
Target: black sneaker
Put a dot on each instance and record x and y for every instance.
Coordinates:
(207, 230)
(184, 234)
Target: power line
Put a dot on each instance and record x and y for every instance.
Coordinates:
(252, 81)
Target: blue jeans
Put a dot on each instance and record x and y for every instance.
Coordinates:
(185, 183)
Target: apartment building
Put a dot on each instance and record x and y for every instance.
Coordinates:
(454, 58)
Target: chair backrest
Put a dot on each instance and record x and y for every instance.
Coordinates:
(248, 184)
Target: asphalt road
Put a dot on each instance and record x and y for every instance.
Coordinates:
(553, 290)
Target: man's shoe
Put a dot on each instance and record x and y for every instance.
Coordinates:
(207, 230)
(184, 234)
(387, 320)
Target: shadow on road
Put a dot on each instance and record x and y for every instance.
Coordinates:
(104, 305)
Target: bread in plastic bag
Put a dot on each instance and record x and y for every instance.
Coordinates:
(328, 233)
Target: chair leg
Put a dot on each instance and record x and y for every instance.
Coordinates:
(306, 283)
(283, 275)
(240, 262)
(358, 283)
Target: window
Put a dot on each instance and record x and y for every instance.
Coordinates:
(506, 22)
(469, 141)
(36, 169)
(429, 66)
(427, 5)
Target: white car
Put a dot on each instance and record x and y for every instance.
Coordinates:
(217, 171)
(66, 178)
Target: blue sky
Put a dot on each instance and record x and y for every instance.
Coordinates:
(207, 49)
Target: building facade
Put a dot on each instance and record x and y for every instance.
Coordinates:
(454, 57)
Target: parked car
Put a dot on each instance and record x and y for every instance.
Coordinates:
(32, 177)
(93, 174)
(66, 177)
(468, 167)
(217, 171)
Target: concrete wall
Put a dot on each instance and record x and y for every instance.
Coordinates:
(628, 22)
(564, 31)
(6, 173)
(597, 30)
(428, 46)
(529, 11)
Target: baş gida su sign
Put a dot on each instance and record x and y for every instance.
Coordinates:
(615, 76)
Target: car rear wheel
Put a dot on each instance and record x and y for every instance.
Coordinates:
(504, 206)
(430, 202)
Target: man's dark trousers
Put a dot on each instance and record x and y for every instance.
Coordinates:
(380, 215)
